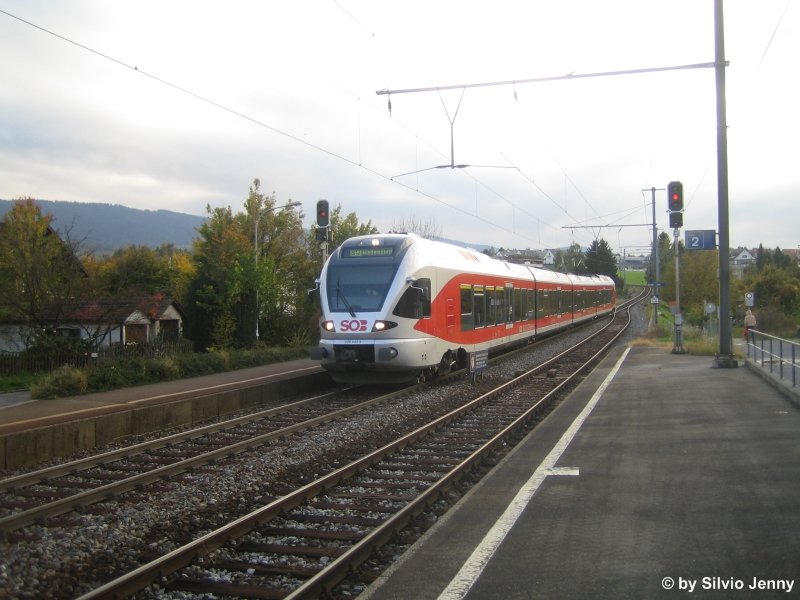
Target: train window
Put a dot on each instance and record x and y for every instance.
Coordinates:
(415, 303)
(479, 296)
(519, 304)
(531, 304)
(495, 298)
(508, 304)
(467, 315)
(358, 289)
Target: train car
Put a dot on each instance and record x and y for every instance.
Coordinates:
(398, 307)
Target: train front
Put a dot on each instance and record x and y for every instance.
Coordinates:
(370, 303)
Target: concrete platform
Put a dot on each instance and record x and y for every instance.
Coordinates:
(33, 431)
(664, 478)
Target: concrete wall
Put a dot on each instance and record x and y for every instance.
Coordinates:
(64, 439)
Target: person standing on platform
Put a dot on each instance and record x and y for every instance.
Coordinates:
(749, 322)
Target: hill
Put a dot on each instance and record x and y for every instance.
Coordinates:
(106, 227)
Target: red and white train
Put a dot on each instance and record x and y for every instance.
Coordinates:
(398, 307)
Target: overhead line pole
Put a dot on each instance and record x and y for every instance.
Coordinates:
(725, 357)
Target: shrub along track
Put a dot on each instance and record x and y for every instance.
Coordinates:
(304, 542)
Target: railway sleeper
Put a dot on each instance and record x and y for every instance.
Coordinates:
(207, 586)
(340, 519)
(372, 496)
(267, 569)
(344, 536)
(312, 551)
(354, 507)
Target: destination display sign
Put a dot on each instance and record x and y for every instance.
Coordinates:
(368, 252)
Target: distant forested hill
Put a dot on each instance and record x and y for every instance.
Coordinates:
(106, 227)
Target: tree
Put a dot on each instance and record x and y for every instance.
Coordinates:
(41, 274)
(572, 260)
(133, 271)
(666, 257)
(427, 229)
(699, 282)
(253, 270)
(219, 253)
(600, 260)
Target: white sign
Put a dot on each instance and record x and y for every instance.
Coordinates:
(749, 299)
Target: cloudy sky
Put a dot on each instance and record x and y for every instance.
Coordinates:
(181, 104)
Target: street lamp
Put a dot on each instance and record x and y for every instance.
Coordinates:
(255, 246)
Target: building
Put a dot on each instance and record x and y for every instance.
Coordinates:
(101, 323)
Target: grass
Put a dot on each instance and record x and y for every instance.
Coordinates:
(16, 383)
(634, 277)
(693, 341)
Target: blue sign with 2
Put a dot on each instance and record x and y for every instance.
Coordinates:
(702, 239)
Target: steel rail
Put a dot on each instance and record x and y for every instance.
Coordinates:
(144, 575)
(27, 517)
(361, 550)
(76, 466)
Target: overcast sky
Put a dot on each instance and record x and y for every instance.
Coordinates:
(181, 104)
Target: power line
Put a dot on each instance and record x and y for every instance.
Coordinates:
(260, 123)
(772, 37)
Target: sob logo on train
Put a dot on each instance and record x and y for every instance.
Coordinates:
(354, 325)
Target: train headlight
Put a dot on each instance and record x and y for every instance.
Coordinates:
(387, 353)
(383, 325)
(328, 326)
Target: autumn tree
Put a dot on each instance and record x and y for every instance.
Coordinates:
(41, 274)
(253, 270)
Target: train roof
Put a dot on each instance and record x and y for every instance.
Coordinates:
(450, 255)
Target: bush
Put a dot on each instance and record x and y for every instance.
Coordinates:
(775, 322)
(64, 381)
(105, 375)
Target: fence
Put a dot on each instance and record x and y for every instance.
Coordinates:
(776, 355)
(17, 363)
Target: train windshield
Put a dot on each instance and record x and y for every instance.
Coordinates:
(358, 287)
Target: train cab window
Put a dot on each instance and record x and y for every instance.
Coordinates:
(361, 288)
(415, 303)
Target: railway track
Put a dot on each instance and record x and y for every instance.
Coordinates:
(304, 542)
(34, 496)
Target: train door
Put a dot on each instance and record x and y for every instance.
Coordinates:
(451, 314)
(508, 305)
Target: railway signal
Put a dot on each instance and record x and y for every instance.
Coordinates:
(675, 196)
(675, 220)
(323, 214)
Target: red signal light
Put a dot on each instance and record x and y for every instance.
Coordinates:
(675, 196)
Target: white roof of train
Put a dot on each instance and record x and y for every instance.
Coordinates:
(450, 256)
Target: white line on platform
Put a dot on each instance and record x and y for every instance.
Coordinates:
(471, 570)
